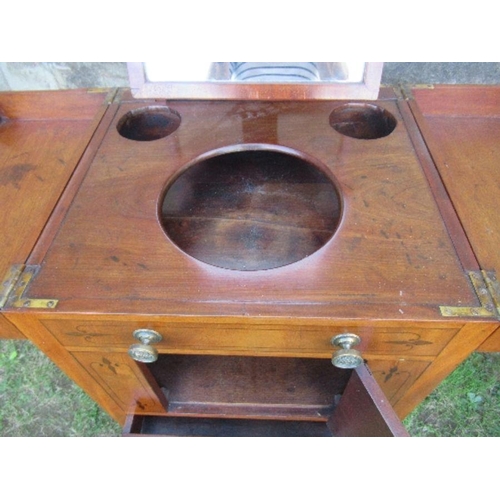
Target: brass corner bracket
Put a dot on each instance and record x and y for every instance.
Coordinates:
(490, 277)
(487, 290)
(14, 285)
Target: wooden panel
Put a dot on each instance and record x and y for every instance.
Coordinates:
(124, 382)
(41, 144)
(391, 256)
(295, 337)
(492, 343)
(79, 104)
(363, 410)
(461, 127)
(459, 100)
(446, 207)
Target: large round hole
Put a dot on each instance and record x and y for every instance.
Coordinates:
(251, 210)
(148, 124)
(362, 121)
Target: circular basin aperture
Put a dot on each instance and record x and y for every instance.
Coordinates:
(251, 209)
(149, 123)
(362, 121)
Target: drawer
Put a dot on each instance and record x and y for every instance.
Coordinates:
(257, 337)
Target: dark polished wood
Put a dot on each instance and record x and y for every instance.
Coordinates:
(260, 387)
(275, 209)
(391, 250)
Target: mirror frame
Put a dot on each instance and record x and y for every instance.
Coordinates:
(368, 89)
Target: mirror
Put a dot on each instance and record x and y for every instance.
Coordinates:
(255, 80)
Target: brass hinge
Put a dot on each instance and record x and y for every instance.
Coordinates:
(489, 306)
(491, 280)
(9, 282)
(22, 275)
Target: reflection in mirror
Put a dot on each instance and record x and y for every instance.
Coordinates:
(280, 81)
(255, 72)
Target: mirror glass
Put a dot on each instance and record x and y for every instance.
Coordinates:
(255, 72)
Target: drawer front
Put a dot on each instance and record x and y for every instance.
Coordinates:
(293, 340)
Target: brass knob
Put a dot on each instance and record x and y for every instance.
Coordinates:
(145, 352)
(346, 357)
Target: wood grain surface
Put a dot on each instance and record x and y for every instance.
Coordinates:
(390, 257)
(492, 343)
(461, 126)
(366, 247)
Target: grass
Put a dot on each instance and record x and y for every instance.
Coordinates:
(37, 399)
(467, 403)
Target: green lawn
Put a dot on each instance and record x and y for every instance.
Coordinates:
(37, 399)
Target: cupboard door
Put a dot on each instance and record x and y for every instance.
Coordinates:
(364, 411)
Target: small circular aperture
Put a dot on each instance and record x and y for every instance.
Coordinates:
(148, 124)
(362, 121)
